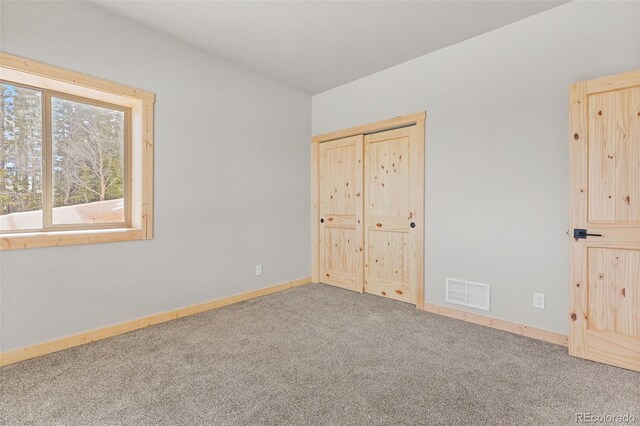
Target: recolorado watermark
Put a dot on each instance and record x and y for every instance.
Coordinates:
(605, 418)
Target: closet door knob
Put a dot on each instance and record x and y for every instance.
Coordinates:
(413, 224)
(321, 220)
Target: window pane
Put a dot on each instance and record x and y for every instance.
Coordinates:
(20, 158)
(88, 163)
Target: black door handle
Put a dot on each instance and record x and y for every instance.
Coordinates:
(321, 220)
(579, 234)
(412, 224)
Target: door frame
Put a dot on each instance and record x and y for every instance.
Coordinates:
(416, 119)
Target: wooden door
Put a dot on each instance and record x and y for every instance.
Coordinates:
(394, 233)
(605, 205)
(340, 207)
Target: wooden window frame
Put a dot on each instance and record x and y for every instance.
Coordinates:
(138, 107)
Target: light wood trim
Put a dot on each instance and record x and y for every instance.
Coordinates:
(147, 147)
(34, 351)
(613, 82)
(140, 103)
(315, 213)
(418, 193)
(66, 238)
(39, 69)
(511, 327)
(378, 126)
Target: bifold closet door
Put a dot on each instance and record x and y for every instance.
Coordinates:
(393, 188)
(340, 193)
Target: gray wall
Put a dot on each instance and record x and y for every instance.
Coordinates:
(497, 167)
(231, 176)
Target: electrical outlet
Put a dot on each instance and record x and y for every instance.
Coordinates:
(259, 269)
(538, 300)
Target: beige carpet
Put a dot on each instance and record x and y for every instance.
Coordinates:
(314, 355)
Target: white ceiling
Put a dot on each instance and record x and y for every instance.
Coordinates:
(315, 46)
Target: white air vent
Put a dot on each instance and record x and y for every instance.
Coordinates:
(467, 293)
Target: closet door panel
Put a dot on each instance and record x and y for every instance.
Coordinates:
(341, 219)
(392, 207)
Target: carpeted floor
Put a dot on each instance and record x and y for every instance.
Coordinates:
(314, 355)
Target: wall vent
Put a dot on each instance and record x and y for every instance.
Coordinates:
(467, 293)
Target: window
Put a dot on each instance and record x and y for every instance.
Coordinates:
(73, 174)
(20, 159)
(75, 158)
(88, 145)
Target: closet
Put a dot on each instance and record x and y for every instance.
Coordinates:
(367, 213)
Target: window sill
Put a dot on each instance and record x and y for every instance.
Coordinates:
(64, 238)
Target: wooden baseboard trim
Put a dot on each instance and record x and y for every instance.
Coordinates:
(40, 349)
(511, 327)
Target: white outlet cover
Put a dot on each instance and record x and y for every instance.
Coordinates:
(538, 300)
(259, 269)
